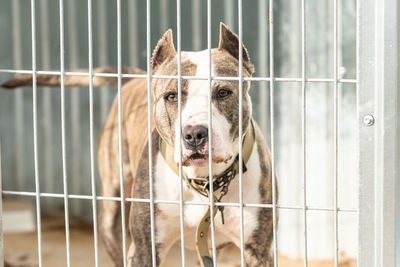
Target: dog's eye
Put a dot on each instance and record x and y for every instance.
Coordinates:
(171, 97)
(222, 93)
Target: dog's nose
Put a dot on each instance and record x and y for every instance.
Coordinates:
(195, 137)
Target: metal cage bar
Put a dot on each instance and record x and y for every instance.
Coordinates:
(378, 122)
(378, 118)
(162, 201)
(181, 200)
(240, 144)
(120, 148)
(63, 145)
(335, 130)
(304, 122)
(35, 133)
(272, 121)
(210, 139)
(149, 77)
(220, 78)
(91, 137)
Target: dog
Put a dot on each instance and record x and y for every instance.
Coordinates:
(192, 144)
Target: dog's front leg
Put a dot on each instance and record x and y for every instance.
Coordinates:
(258, 246)
(140, 250)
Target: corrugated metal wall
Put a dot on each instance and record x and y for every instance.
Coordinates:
(16, 129)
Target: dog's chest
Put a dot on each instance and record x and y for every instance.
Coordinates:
(167, 187)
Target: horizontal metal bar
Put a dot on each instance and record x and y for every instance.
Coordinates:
(158, 201)
(115, 75)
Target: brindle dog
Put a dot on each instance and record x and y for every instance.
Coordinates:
(194, 147)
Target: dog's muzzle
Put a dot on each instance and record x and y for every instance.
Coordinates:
(195, 137)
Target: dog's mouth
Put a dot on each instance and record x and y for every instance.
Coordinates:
(198, 155)
(200, 159)
(195, 159)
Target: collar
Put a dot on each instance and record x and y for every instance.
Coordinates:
(202, 184)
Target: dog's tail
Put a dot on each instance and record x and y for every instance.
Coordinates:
(73, 80)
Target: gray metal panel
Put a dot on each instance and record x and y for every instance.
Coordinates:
(378, 96)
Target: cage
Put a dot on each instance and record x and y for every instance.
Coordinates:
(324, 95)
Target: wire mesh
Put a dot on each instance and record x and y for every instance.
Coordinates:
(303, 81)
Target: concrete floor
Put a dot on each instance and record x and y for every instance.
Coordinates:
(21, 250)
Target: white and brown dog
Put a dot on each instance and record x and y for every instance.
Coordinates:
(257, 181)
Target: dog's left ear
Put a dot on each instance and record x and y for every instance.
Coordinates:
(165, 49)
(229, 41)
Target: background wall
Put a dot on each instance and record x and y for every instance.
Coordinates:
(16, 129)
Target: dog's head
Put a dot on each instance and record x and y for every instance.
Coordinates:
(195, 101)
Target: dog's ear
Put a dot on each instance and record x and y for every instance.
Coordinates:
(165, 49)
(229, 41)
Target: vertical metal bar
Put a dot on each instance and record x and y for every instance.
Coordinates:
(133, 33)
(121, 173)
(35, 133)
(63, 148)
(263, 59)
(271, 91)
(47, 103)
(304, 122)
(366, 162)
(150, 144)
(103, 54)
(181, 205)
(242, 259)
(378, 116)
(91, 119)
(19, 98)
(74, 106)
(196, 27)
(335, 131)
(210, 170)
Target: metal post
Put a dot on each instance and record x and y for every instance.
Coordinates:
(378, 118)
